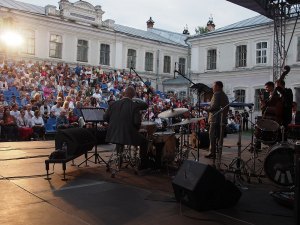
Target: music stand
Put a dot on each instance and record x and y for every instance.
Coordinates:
(94, 116)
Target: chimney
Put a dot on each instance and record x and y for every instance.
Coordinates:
(150, 23)
(210, 24)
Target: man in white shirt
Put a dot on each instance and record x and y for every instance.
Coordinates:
(97, 95)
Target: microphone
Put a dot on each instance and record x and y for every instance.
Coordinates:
(175, 70)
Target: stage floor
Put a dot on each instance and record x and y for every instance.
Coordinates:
(92, 196)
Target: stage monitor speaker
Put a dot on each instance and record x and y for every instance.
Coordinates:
(297, 192)
(78, 140)
(202, 187)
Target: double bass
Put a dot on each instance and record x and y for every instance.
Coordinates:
(272, 108)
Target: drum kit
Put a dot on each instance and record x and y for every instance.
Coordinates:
(165, 146)
(278, 164)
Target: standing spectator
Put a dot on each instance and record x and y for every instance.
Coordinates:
(245, 116)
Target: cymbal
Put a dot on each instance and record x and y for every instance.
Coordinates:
(172, 112)
(187, 121)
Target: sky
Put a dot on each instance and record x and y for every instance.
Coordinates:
(171, 15)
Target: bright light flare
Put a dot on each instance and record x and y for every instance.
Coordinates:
(11, 38)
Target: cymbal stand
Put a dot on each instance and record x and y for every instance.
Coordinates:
(182, 154)
(252, 169)
(238, 165)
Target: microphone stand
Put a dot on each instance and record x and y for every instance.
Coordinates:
(198, 100)
(149, 91)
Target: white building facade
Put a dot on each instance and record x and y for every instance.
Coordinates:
(75, 33)
(241, 56)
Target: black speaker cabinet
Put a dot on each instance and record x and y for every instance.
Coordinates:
(78, 140)
(202, 187)
(297, 192)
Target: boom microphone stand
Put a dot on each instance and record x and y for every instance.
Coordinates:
(149, 91)
(198, 88)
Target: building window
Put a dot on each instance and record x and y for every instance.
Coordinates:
(241, 56)
(181, 66)
(149, 61)
(55, 49)
(167, 64)
(240, 95)
(261, 52)
(298, 49)
(29, 42)
(131, 58)
(257, 98)
(82, 50)
(104, 54)
(212, 59)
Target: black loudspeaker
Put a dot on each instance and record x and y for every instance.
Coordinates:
(78, 140)
(202, 187)
(297, 192)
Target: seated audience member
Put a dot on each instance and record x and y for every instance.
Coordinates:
(45, 110)
(28, 112)
(9, 126)
(25, 131)
(2, 100)
(37, 124)
(56, 109)
(73, 119)
(62, 121)
(25, 100)
(14, 111)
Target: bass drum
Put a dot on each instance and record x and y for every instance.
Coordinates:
(279, 164)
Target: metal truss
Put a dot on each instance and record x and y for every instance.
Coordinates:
(282, 12)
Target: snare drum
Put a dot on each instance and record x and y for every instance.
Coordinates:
(266, 131)
(167, 140)
(279, 164)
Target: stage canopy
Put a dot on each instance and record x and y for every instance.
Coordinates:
(259, 6)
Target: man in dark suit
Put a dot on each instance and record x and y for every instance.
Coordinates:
(216, 123)
(124, 121)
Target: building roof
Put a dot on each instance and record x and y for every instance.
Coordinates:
(22, 6)
(256, 21)
(151, 34)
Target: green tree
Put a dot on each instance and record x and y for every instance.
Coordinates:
(201, 30)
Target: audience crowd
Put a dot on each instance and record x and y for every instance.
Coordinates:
(36, 98)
